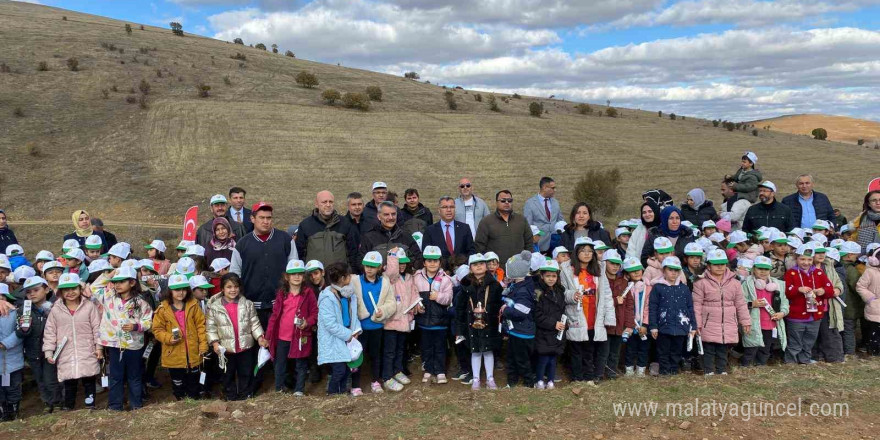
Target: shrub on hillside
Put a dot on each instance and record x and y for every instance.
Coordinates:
(450, 100)
(142, 102)
(819, 133)
(672, 116)
(128, 29)
(330, 96)
(716, 122)
(660, 114)
(18, 112)
(306, 79)
(113, 88)
(131, 99)
(860, 142)
(239, 56)
(33, 149)
(141, 27)
(260, 46)
(536, 109)
(73, 64)
(64, 18)
(144, 87)
(238, 41)
(493, 104)
(583, 109)
(478, 97)
(105, 93)
(755, 132)
(375, 93)
(42, 66)
(158, 73)
(4, 68)
(730, 126)
(598, 187)
(289, 54)
(358, 101)
(226, 80)
(611, 112)
(516, 96)
(176, 28)
(274, 48)
(203, 89)
(411, 75)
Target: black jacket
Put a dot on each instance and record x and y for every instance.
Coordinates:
(488, 338)
(370, 215)
(520, 305)
(462, 243)
(774, 214)
(32, 338)
(418, 221)
(698, 216)
(335, 240)
(684, 238)
(548, 311)
(262, 264)
(380, 239)
(7, 237)
(821, 205)
(594, 231)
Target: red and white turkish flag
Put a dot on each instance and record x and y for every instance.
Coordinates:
(190, 224)
(874, 185)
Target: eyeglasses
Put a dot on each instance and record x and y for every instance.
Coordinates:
(466, 185)
(510, 200)
(874, 201)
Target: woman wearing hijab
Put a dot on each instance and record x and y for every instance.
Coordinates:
(650, 215)
(222, 243)
(82, 229)
(582, 223)
(697, 209)
(671, 228)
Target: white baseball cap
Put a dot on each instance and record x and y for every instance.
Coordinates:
(4, 263)
(199, 282)
(462, 271)
(708, 224)
(45, 256)
(559, 250)
(833, 254)
(672, 263)
(613, 256)
(631, 264)
(219, 264)
(146, 263)
(195, 250)
(821, 225)
(549, 265)
(432, 253)
(295, 266)
(158, 245)
(762, 262)
(600, 245)
(705, 242)
(745, 262)
(536, 230)
(312, 265)
(56, 265)
(178, 281)
(735, 238)
(836, 243)
(622, 231)
(70, 244)
(768, 184)
(377, 185)
(476, 258)
(68, 280)
(184, 244)
(34, 281)
(185, 265)
(489, 256)
(218, 198)
(693, 249)
(850, 247)
(14, 249)
(798, 232)
(23, 273)
(751, 156)
(560, 226)
(121, 250)
(372, 259)
(583, 241)
(717, 256)
(124, 273)
(96, 266)
(663, 245)
(76, 253)
(94, 241)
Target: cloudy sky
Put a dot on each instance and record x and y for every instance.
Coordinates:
(733, 59)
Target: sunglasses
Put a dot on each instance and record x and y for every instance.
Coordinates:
(510, 200)
(466, 185)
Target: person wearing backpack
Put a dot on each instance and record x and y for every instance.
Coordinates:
(326, 236)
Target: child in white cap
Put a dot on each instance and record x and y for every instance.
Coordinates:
(435, 288)
(549, 310)
(672, 318)
(397, 318)
(156, 252)
(768, 305)
(477, 317)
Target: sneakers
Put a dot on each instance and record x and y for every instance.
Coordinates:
(357, 392)
(467, 380)
(490, 384)
(540, 385)
(724, 373)
(550, 385)
(591, 383)
(630, 371)
(710, 374)
(376, 388)
(400, 377)
(426, 378)
(640, 371)
(299, 394)
(393, 385)
(441, 379)
(460, 375)
(475, 386)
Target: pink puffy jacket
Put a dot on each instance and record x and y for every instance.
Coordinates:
(719, 307)
(394, 305)
(868, 288)
(77, 358)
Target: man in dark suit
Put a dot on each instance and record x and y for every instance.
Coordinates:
(452, 237)
(237, 211)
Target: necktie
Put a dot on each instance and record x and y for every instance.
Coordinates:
(238, 216)
(449, 240)
(547, 208)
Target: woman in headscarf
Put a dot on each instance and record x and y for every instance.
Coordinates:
(671, 228)
(82, 229)
(650, 215)
(222, 242)
(697, 209)
(582, 223)
(867, 224)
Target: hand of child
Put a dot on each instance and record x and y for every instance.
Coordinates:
(560, 326)
(643, 331)
(776, 316)
(692, 332)
(819, 292)
(758, 303)
(174, 340)
(99, 353)
(805, 289)
(420, 309)
(654, 333)
(628, 331)
(127, 327)
(302, 325)
(2, 347)
(501, 312)
(263, 342)
(433, 295)
(217, 348)
(49, 356)
(747, 329)
(378, 313)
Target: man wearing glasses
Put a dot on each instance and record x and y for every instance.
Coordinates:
(505, 233)
(469, 208)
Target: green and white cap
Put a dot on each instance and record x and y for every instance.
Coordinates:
(199, 282)
(45, 256)
(372, 259)
(4, 263)
(762, 262)
(56, 265)
(417, 236)
(693, 250)
(794, 241)
(218, 198)
(147, 263)
(219, 264)
(432, 253)
(672, 263)
(4, 291)
(185, 266)
(401, 256)
(833, 254)
(663, 245)
(717, 256)
(178, 281)
(70, 244)
(295, 266)
(708, 224)
(184, 244)
(75, 253)
(489, 256)
(549, 265)
(313, 265)
(124, 273)
(612, 256)
(13, 250)
(121, 250)
(837, 243)
(735, 238)
(580, 241)
(536, 230)
(476, 258)
(623, 230)
(94, 242)
(745, 262)
(778, 237)
(99, 265)
(631, 264)
(821, 225)
(33, 282)
(68, 280)
(195, 249)
(560, 250)
(600, 245)
(716, 237)
(850, 247)
(158, 245)
(805, 249)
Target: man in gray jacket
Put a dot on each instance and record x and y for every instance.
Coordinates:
(469, 208)
(542, 210)
(504, 232)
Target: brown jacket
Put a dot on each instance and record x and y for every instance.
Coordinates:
(505, 238)
(187, 352)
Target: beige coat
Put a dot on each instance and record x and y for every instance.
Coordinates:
(219, 325)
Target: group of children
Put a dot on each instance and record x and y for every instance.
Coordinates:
(800, 294)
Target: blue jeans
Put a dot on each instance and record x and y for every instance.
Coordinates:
(126, 366)
(434, 351)
(338, 378)
(547, 363)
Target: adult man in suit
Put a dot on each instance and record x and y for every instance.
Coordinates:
(237, 211)
(452, 237)
(542, 211)
(807, 205)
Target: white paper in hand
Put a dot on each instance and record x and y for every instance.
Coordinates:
(355, 348)
(262, 357)
(202, 378)
(105, 381)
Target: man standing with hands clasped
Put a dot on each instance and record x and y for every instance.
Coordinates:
(542, 211)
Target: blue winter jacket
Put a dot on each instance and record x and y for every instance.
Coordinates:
(821, 205)
(12, 358)
(671, 309)
(332, 333)
(520, 301)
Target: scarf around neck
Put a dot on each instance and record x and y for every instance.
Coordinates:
(81, 232)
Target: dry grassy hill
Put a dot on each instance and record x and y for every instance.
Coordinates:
(75, 148)
(840, 128)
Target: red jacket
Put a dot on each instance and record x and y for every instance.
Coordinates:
(309, 311)
(794, 280)
(618, 286)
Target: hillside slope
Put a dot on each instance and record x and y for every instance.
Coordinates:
(73, 148)
(839, 128)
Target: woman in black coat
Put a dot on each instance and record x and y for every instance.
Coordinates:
(698, 209)
(671, 228)
(477, 316)
(582, 219)
(549, 309)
